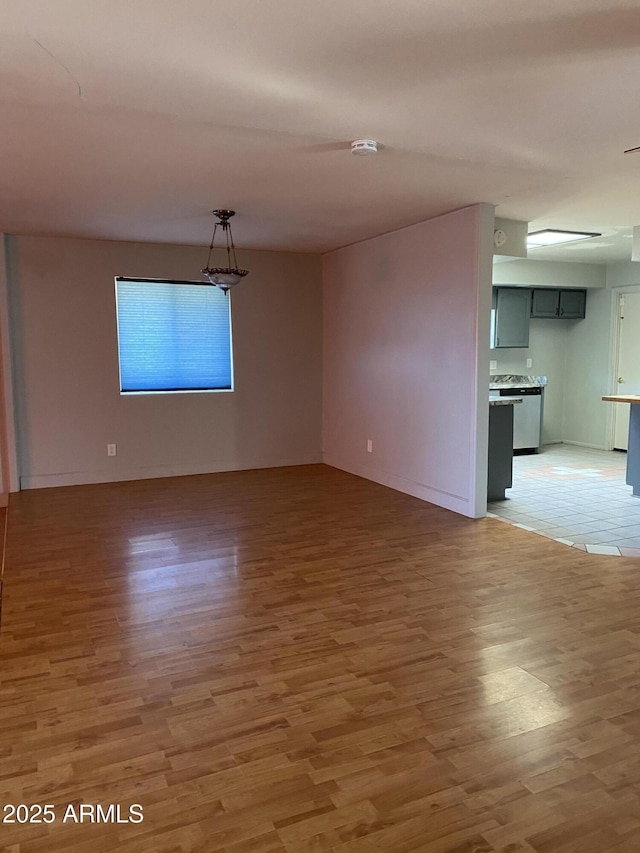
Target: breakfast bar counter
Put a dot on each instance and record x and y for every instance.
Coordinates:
(633, 447)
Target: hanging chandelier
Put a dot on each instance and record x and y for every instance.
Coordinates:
(224, 277)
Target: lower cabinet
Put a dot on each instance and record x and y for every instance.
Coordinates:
(500, 462)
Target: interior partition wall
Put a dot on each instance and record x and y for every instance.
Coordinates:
(406, 357)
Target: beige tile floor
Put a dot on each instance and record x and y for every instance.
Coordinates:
(575, 495)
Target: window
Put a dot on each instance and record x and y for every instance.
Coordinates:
(173, 336)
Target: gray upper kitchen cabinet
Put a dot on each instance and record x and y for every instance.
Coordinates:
(558, 304)
(573, 304)
(544, 302)
(512, 309)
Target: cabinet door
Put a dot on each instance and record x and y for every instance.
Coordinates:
(512, 317)
(573, 304)
(545, 302)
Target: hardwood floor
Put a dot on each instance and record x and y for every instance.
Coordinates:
(3, 536)
(300, 660)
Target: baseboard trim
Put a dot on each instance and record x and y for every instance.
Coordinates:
(584, 444)
(430, 494)
(84, 478)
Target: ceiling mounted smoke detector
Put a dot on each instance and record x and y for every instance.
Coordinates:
(362, 147)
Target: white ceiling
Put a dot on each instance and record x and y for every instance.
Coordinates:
(131, 119)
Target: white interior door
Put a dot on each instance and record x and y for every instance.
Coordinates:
(628, 364)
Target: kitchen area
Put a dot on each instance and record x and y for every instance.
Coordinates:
(552, 346)
(527, 418)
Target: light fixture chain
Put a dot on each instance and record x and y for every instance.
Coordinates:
(213, 239)
(227, 230)
(233, 248)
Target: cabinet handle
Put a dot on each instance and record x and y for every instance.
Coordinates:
(561, 311)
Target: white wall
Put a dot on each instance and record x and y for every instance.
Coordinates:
(406, 347)
(66, 367)
(623, 274)
(534, 273)
(587, 379)
(590, 363)
(515, 231)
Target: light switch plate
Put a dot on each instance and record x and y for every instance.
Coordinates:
(529, 362)
(493, 365)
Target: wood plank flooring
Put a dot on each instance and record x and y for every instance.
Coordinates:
(3, 537)
(299, 660)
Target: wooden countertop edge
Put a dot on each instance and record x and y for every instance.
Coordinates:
(623, 398)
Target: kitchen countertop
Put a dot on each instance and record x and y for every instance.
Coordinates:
(496, 400)
(623, 398)
(515, 380)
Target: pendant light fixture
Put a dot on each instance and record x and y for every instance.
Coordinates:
(224, 277)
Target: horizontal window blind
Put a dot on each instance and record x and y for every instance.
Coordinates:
(173, 336)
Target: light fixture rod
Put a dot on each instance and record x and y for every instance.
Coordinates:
(233, 248)
(213, 240)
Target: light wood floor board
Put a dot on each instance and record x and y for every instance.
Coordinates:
(300, 660)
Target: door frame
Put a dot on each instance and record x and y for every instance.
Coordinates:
(616, 293)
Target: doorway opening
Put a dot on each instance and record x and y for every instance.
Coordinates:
(626, 347)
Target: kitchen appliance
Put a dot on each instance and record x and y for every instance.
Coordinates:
(527, 417)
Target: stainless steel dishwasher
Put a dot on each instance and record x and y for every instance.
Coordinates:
(527, 417)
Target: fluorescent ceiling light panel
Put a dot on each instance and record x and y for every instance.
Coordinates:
(552, 236)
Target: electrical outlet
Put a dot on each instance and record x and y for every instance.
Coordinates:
(111, 449)
(369, 446)
(529, 362)
(493, 365)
